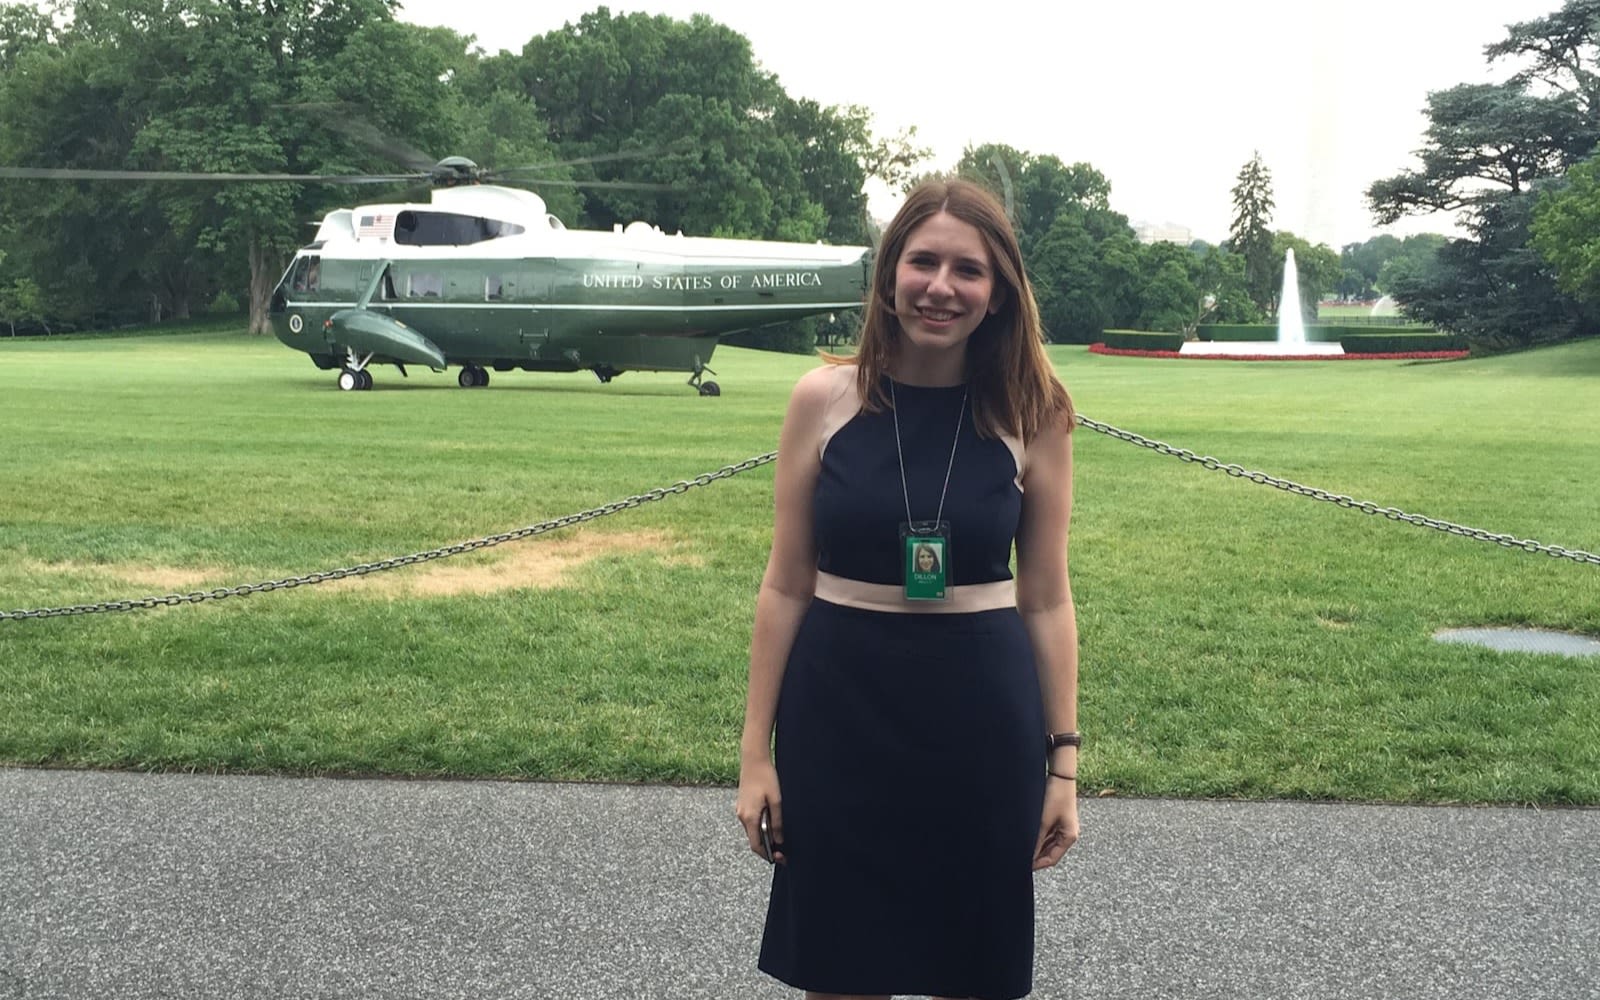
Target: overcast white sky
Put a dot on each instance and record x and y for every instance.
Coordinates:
(1167, 98)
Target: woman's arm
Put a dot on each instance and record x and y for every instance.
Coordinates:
(1044, 599)
(786, 591)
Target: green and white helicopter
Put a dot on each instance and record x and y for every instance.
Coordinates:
(482, 277)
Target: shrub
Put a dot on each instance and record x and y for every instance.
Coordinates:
(1397, 340)
(1141, 340)
(1237, 331)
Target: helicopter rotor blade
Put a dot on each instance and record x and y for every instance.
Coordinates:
(76, 174)
(638, 154)
(613, 185)
(353, 123)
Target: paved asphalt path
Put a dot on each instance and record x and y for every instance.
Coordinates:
(136, 886)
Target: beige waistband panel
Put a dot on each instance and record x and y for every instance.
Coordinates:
(888, 597)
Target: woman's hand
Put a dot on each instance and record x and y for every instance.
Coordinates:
(1058, 827)
(758, 789)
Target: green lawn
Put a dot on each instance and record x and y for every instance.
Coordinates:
(1237, 640)
(1344, 311)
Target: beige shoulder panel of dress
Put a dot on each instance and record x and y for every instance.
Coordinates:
(1019, 455)
(844, 402)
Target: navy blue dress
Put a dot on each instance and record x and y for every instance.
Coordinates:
(909, 745)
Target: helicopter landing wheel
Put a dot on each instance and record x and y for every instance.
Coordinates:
(349, 380)
(472, 377)
(694, 380)
(366, 379)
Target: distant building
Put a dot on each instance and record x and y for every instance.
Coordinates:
(1166, 232)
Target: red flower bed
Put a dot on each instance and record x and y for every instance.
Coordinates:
(1402, 356)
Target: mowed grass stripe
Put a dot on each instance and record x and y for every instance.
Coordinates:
(1237, 640)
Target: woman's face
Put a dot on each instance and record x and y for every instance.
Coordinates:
(944, 283)
(925, 560)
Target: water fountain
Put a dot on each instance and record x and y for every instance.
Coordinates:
(1291, 340)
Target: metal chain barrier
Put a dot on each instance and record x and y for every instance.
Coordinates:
(173, 600)
(705, 479)
(1339, 499)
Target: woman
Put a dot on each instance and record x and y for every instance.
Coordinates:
(907, 788)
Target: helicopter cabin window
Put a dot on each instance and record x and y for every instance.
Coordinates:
(306, 275)
(424, 285)
(433, 229)
(497, 289)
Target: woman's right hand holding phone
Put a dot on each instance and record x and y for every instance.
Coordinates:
(759, 799)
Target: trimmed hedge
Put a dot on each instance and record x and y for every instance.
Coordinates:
(1236, 331)
(1397, 340)
(1354, 338)
(1141, 340)
(1256, 332)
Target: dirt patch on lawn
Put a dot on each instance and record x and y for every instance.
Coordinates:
(149, 578)
(540, 563)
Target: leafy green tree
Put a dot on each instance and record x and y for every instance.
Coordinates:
(1362, 263)
(1566, 231)
(1482, 140)
(1250, 234)
(200, 85)
(22, 27)
(1560, 52)
(1494, 288)
(1169, 294)
(1221, 288)
(1036, 190)
(1122, 280)
(741, 158)
(1414, 254)
(1065, 271)
(78, 243)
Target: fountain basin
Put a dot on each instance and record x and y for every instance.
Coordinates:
(1275, 348)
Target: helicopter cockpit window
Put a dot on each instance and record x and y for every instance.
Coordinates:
(433, 229)
(306, 275)
(424, 285)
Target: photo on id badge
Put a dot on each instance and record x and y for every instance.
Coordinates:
(926, 565)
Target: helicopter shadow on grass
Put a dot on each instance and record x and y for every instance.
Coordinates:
(564, 387)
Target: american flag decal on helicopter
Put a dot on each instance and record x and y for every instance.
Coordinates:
(375, 227)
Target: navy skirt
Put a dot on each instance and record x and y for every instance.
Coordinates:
(910, 755)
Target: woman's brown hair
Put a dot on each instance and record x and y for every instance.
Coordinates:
(1013, 388)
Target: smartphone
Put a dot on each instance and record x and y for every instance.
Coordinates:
(766, 834)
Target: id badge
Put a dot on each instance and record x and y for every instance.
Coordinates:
(926, 553)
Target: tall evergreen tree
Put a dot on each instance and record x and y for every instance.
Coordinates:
(1250, 236)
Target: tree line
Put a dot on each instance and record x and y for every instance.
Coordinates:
(343, 87)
